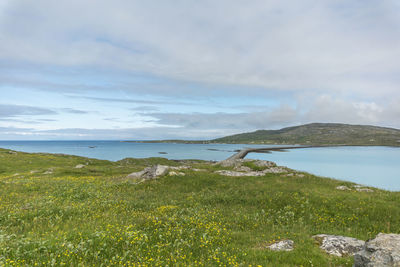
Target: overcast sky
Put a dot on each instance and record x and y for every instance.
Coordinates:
(97, 69)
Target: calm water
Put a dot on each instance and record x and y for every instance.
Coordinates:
(375, 166)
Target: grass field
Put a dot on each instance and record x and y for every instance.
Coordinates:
(54, 214)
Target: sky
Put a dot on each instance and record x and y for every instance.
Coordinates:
(185, 69)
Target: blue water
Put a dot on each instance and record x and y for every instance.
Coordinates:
(374, 166)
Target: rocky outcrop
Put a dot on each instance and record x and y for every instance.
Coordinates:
(383, 250)
(241, 170)
(150, 172)
(339, 245)
(239, 162)
(252, 173)
(238, 174)
(284, 245)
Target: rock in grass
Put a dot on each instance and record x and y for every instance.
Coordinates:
(342, 187)
(368, 190)
(79, 166)
(284, 245)
(383, 250)
(339, 245)
(150, 172)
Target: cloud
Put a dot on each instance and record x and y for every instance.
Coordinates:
(145, 108)
(10, 111)
(331, 46)
(207, 68)
(73, 111)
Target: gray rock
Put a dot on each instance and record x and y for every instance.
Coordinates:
(79, 166)
(275, 170)
(150, 172)
(342, 187)
(238, 174)
(183, 167)
(198, 170)
(284, 245)
(48, 172)
(239, 162)
(243, 169)
(383, 250)
(339, 245)
(264, 163)
(364, 190)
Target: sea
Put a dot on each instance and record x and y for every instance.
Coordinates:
(375, 166)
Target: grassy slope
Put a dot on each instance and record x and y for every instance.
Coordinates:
(93, 216)
(320, 134)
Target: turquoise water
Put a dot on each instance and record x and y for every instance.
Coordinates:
(374, 166)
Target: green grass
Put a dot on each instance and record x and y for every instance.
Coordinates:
(95, 217)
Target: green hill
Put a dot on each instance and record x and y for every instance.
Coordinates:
(320, 134)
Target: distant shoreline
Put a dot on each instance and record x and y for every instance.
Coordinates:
(252, 143)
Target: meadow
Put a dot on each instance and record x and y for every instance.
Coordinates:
(52, 214)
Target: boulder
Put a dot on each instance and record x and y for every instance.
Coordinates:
(284, 245)
(150, 172)
(339, 245)
(383, 250)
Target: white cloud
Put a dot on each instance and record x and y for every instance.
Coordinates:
(308, 45)
(320, 61)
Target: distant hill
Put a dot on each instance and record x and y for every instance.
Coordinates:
(320, 134)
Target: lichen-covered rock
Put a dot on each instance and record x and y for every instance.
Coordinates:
(150, 172)
(284, 245)
(339, 245)
(383, 250)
